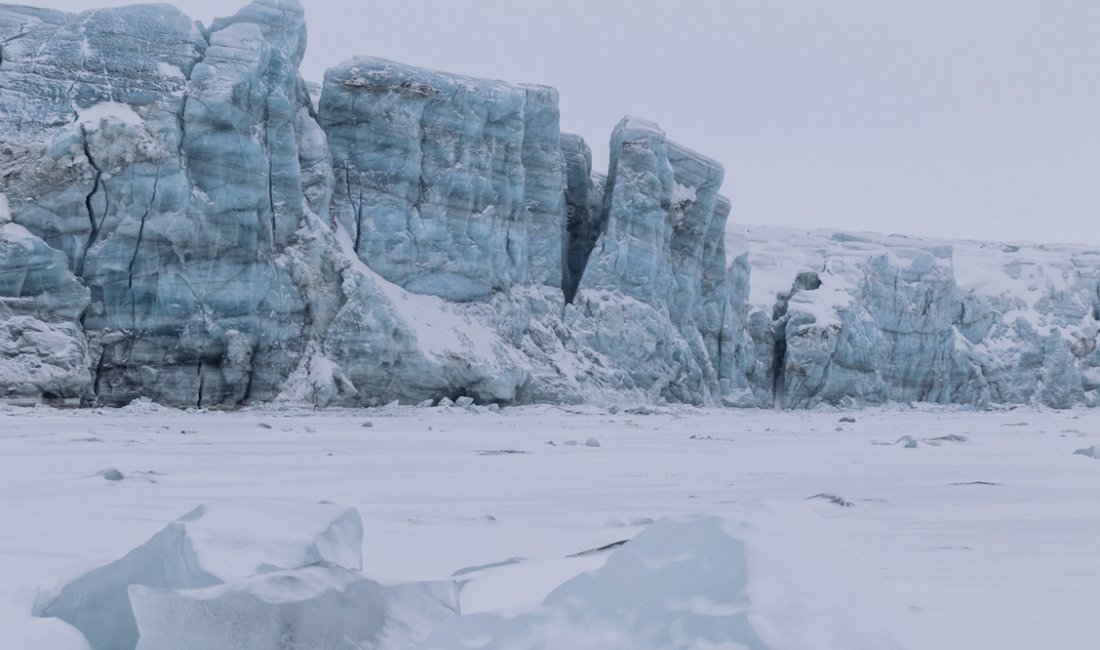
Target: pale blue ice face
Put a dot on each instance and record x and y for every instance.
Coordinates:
(449, 186)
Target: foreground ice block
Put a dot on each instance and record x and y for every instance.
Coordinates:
(211, 545)
(318, 607)
(770, 577)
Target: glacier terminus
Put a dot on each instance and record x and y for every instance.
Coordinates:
(184, 218)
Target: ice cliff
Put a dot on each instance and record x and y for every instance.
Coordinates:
(182, 217)
(845, 318)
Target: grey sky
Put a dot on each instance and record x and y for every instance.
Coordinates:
(954, 118)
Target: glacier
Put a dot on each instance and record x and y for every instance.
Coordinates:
(874, 318)
(184, 218)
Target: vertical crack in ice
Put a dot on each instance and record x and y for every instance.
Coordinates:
(357, 206)
(99, 373)
(271, 200)
(780, 319)
(721, 335)
(359, 221)
(247, 395)
(181, 123)
(88, 200)
(779, 362)
(202, 384)
(137, 247)
(268, 154)
(22, 33)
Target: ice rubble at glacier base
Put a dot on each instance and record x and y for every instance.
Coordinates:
(182, 221)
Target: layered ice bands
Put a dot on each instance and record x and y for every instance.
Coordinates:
(163, 160)
(179, 220)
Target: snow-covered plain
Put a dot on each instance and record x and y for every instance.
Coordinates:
(989, 540)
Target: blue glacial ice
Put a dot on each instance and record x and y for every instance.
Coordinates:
(313, 607)
(248, 574)
(211, 545)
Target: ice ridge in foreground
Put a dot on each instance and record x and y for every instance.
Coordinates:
(768, 577)
(263, 562)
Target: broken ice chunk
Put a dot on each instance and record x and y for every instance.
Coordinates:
(208, 546)
(313, 607)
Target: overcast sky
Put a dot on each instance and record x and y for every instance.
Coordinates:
(954, 118)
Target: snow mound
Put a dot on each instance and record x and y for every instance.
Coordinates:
(45, 633)
(211, 545)
(1090, 452)
(773, 576)
(314, 607)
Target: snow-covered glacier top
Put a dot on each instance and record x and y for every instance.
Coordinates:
(962, 321)
(1052, 286)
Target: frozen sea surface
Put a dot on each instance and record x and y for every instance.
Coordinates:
(989, 538)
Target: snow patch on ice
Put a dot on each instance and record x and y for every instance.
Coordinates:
(92, 116)
(439, 330)
(169, 70)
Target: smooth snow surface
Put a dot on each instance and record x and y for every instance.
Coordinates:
(987, 542)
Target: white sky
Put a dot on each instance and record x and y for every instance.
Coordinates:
(954, 118)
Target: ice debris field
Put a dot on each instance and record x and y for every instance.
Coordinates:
(461, 527)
